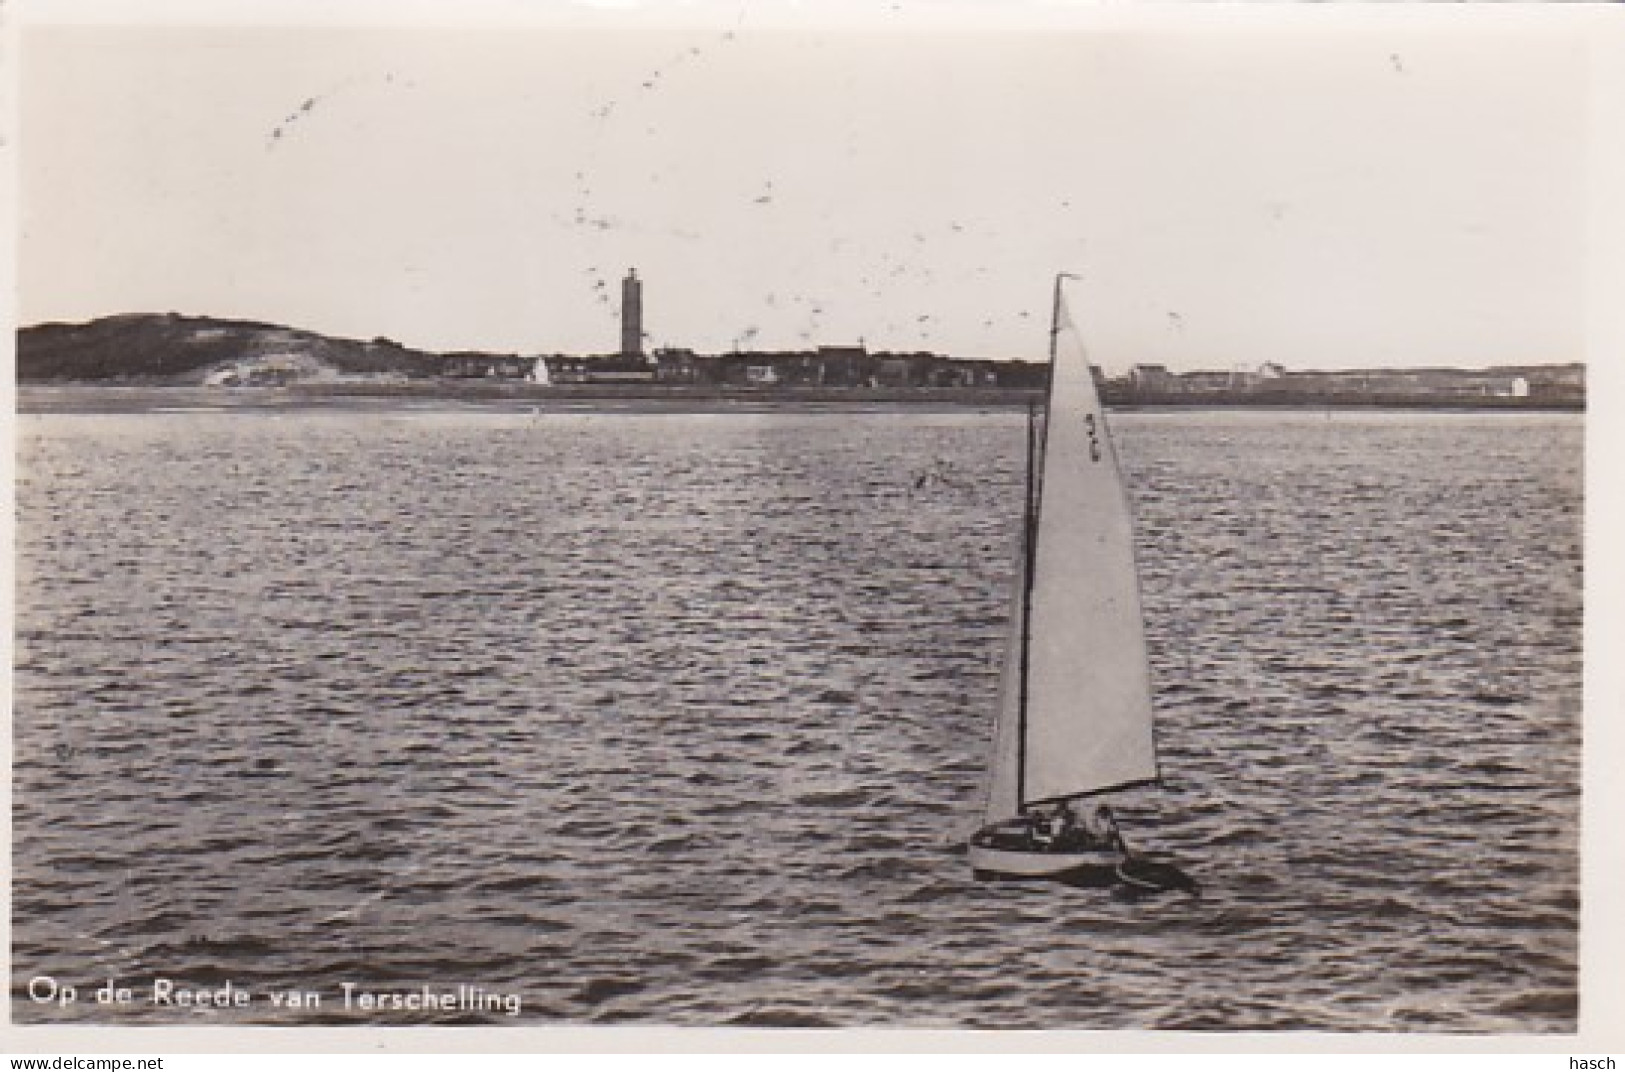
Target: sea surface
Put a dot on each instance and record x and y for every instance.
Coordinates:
(664, 719)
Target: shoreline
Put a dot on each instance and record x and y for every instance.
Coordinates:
(509, 397)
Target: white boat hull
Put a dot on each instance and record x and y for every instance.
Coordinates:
(990, 862)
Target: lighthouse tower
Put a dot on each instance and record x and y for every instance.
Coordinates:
(632, 315)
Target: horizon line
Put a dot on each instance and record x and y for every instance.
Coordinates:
(1234, 367)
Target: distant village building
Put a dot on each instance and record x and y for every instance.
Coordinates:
(951, 374)
(676, 366)
(561, 370)
(473, 366)
(619, 372)
(566, 370)
(1556, 383)
(842, 366)
(892, 372)
(1153, 380)
(1202, 383)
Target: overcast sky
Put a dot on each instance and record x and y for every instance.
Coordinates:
(1316, 191)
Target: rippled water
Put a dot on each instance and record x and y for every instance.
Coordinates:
(681, 719)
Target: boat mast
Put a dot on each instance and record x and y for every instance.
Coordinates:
(1029, 538)
(1035, 452)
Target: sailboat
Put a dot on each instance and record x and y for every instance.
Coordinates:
(1075, 716)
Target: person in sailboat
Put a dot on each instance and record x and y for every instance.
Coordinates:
(1054, 831)
(1038, 831)
(1063, 827)
(1101, 829)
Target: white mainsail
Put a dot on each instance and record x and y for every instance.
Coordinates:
(1076, 658)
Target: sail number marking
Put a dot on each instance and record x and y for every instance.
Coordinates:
(1094, 436)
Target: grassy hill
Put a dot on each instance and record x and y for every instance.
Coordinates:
(169, 348)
